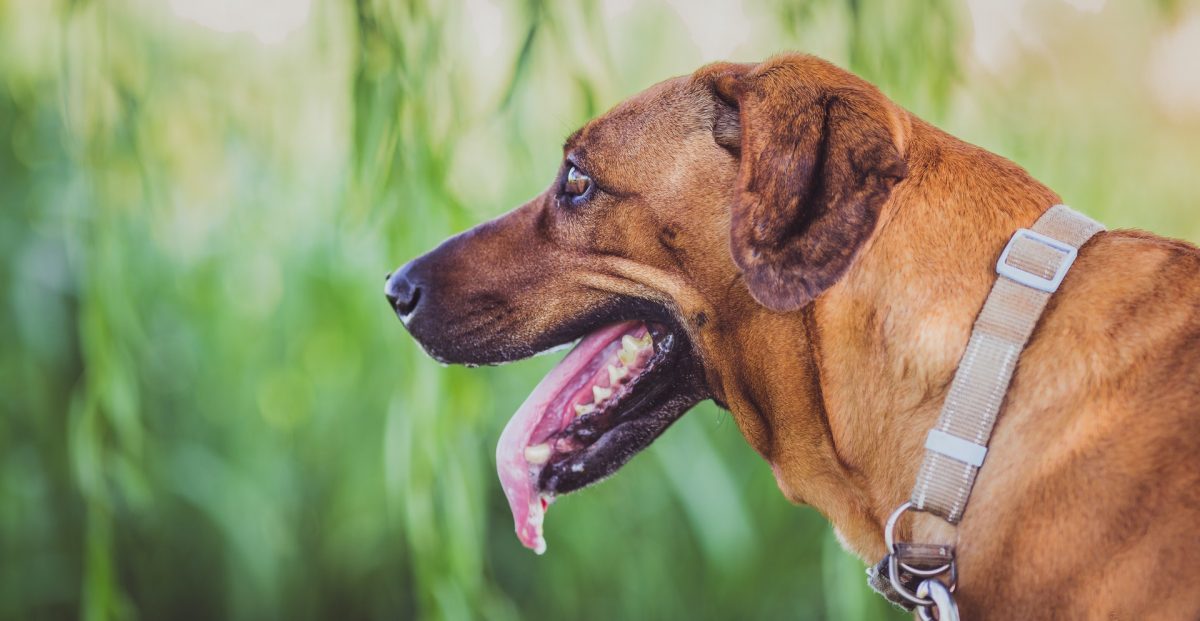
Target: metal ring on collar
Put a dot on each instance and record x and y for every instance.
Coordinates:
(890, 540)
(894, 564)
(890, 530)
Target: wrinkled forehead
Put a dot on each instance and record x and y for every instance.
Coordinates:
(644, 127)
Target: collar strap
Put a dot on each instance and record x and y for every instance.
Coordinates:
(1030, 270)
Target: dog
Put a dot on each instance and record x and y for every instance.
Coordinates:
(782, 239)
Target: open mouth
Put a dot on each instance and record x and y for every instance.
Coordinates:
(610, 397)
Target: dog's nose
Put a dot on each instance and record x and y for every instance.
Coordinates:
(402, 292)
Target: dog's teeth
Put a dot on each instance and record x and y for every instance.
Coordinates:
(537, 454)
(631, 347)
(584, 408)
(600, 394)
(616, 374)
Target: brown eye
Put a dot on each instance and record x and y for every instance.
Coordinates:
(576, 184)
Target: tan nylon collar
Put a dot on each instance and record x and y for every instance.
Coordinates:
(1029, 271)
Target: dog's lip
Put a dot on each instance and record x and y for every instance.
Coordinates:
(572, 453)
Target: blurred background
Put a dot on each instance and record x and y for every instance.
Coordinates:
(208, 410)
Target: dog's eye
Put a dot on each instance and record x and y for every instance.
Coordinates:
(577, 183)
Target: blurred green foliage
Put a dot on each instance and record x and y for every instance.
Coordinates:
(209, 411)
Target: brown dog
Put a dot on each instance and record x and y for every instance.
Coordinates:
(812, 257)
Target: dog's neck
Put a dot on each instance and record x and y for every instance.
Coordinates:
(856, 379)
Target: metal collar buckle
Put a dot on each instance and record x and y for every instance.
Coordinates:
(1029, 279)
(933, 596)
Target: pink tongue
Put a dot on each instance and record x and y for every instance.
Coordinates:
(517, 476)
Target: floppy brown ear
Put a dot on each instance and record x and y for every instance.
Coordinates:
(817, 162)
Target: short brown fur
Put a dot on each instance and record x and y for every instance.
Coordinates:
(827, 253)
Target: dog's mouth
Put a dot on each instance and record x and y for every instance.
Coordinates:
(617, 390)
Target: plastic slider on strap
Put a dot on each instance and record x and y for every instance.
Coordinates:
(1030, 279)
(955, 447)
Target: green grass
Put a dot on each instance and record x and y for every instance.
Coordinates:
(210, 413)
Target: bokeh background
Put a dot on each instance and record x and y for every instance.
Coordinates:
(209, 412)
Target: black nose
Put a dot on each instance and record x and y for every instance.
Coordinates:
(402, 292)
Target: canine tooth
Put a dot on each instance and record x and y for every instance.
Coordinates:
(616, 374)
(537, 454)
(600, 394)
(584, 408)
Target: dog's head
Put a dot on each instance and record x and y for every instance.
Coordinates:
(739, 189)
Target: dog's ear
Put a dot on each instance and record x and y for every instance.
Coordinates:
(817, 162)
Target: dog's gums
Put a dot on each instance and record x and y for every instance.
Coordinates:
(605, 401)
